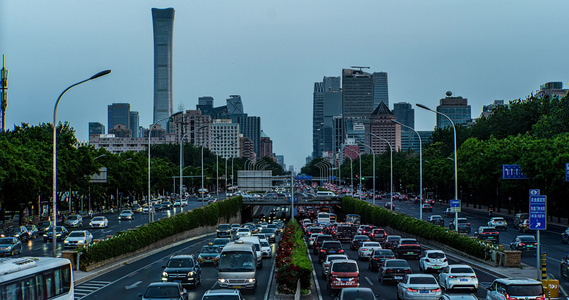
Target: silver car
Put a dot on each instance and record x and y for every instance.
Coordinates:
(74, 221)
(458, 277)
(78, 238)
(418, 286)
(516, 288)
(126, 215)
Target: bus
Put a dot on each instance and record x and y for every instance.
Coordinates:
(353, 219)
(24, 278)
(323, 217)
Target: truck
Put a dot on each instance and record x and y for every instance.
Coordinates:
(345, 232)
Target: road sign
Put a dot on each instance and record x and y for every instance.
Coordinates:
(455, 205)
(534, 192)
(537, 212)
(567, 172)
(512, 172)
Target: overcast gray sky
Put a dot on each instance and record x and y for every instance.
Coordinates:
(272, 52)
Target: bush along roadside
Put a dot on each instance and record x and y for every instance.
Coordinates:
(125, 242)
(292, 262)
(380, 216)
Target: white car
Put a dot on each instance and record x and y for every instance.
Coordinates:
(498, 223)
(418, 286)
(243, 232)
(99, 222)
(364, 252)
(78, 238)
(126, 215)
(265, 248)
(145, 210)
(458, 277)
(184, 202)
(328, 260)
(433, 260)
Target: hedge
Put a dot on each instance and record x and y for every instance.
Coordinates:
(292, 262)
(132, 240)
(380, 216)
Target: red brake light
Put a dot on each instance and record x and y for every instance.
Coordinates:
(521, 244)
(436, 290)
(444, 260)
(324, 251)
(388, 271)
(427, 260)
(407, 271)
(341, 251)
(412, 290)
(364, 249)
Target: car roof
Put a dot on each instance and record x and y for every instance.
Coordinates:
(420, 275)
(222, 292)
(176, 284)
(460, 266)
(517, 281)
(434, 251)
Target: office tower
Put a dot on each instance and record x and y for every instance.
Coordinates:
(205, 105)
(118, 113)
(251, 127)
(266, 146)
(185, 125)
(163, 25)
(327, 103)
(553, 90)
(246, 148)
(405, 114)
(355, 129)
(357, 94)
(235, 105)
(96, 128)
(456, 108)
(380, 90)
(380, 125)
(225, 138)
(206, 101)
(317, 119)
(134, 123)
(280, 161)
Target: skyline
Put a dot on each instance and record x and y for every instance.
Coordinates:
(272, 54)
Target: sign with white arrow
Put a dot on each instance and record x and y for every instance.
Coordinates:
(537, 212)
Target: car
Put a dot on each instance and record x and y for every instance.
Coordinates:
(463, 225)
(33, 231)
(499, 223)
(220, 242)
(393, 270)
(222, 294)
(365, 229)
(145, 210)
(378, 235)
(137, 208)
(311, 239)
(99, 222)
(78, 238)
(209, 254)
(126, 214)
(167, 205)
(408, 248)
(177, 203)
(392, 241)
(234, 227)
(524, 243)
(518, 219)
(418, 286)
(565, 236)
(243, 231)
(364, 252)
(515, 288)
(358, 240)
(328, 260)
(343, 274)
(487, 234)
(73, 221)
(524, 226)
(10, 246)
(20, 232)
(318, 242)
(388, 206)
(564, 267)
(266, 249)
(437, 220)
(60, 234)
(270, 234)
(182, 269)
(359, 293)
(458, 277)
(43, 225)
(161, 290)
(225, 230)
(157, 207)
(378, 257)
(449, 213)
(427, 208)
(329, 247)
(433, 260)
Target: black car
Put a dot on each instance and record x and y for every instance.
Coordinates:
(564, 267)
(378, 257)
(20, 232)
(319, 240)
(329, 247)
(182, 269)
(463, 225)
(61, 234)
(524, 243)
(427, 207)
(488, 234)
(393, 270)
(437, 220)
(408, 248)
(565, 236)
(42, 226)
(358, 240)
(157, 207)
(392, 241)
(168, 290)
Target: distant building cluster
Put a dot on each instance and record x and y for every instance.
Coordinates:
(228, 131)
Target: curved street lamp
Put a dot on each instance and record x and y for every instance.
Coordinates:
(182, 160)
(372, 153)
(360, 159)
(391, 167)
(54, 180)
(150, 215)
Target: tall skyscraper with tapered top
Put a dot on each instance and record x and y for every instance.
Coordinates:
(163, 25)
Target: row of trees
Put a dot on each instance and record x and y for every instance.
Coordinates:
(26, 171)
(533, 133)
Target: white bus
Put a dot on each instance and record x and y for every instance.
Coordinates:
(36, 278)
(324, 217)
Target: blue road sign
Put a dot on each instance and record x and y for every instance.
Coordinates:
(534, 192)
(454, 203)
(537, 212)
(512, 172)
(332, 177)
(567, 172)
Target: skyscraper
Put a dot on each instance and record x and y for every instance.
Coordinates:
(404, 113)
(163, 25)
(251, 127)
(96, 128)
(234, 105)
(225, 138)
(380, 90)
(456, 108)
(118, 113)
(317, 119)
(327, 103)
(357, 94)
(380, 125)
(134, 123)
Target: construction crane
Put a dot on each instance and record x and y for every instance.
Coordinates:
(358, 67)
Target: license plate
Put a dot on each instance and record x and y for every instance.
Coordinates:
(410, 253)
(424, 291)
(236, 286)
(177, 281)
(530, 246)
(332, 251)
(463, 280)
(345, 279)
(436, 267)
(398, 277)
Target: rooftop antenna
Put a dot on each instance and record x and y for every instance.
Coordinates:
(358, 67)
(3, 92)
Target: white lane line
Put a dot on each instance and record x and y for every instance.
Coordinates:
(271, 276)
(369, 281)
(314, 276)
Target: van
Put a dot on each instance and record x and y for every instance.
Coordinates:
(325, 194)
(343, 274)
(257, 243)
(237, 266)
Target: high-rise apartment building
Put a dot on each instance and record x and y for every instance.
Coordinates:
(357, 94)
(225, 138)
(163, 25)
(266, 146)
(186, 124)
(456, 108)
(134, 123)
(380, 90)
(246, 148)
(118, 113)
(96, 128)
(380, 125)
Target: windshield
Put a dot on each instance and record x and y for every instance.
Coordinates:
(436, 255)
(371, 245)
(99, 219)
(223, 227)
(162, 292)
(267, 230)
(525, 290)
(72, 218)
(208, 249)
(265, 244)
(125, 212)
(383, 253)
(527, 239)
(462, 270)
(180, 263)
(396, 264)
(233, 261)
(244, 230)
(422, 280)
(345, 267)
(77, 234)
(358, 295)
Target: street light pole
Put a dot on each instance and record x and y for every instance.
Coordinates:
(360, 159)
(372, 153)
(54, 180)
(391, 167)
(455, 159)
(182, 159)
(149, 145)
(420, 167)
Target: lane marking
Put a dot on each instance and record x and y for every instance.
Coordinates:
(314, 275)
(369, 281)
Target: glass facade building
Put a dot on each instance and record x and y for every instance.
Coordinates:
(163, 25)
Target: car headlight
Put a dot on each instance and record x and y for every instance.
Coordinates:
(190, 274)
(164, 274)
(222, 280)
(251, 280)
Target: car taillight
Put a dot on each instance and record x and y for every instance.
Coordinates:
(452, 276)
(436, 290)
(407, 271)
(364, 249)
(510, 298)
(444, 260)
(427, 260)
(388, 271)
(341, 251)
(521, 244)
(468, 224)
(412, 290)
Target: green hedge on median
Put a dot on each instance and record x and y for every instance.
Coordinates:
(292, 263)
(132, 240)
(380, 216)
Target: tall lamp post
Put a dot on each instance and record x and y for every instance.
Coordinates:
(455, 160)
(372, 153)
(54, 180)
(391, 167)
(182, 159)
(149, 192)
(360, 159)
(420, 167)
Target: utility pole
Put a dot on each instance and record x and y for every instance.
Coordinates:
(4, 93)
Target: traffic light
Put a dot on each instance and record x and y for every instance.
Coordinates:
(363, 178)
(356, 176)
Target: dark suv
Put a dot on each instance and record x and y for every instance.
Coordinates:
(378, 235)
(183, 269)
(519, 218)
(329, 247)
(318, 242)
(488, 234)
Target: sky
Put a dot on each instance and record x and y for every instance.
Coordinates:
(272, 52)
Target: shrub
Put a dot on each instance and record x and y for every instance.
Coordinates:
(292, 262)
